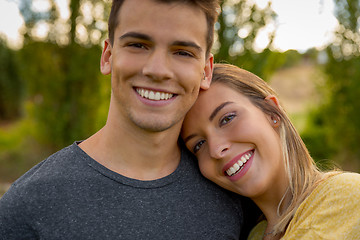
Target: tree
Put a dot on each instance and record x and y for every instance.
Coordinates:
(338, 119)
(61, 70)
(63, 90)
(239, 25)
(86, 25)
(11, 85)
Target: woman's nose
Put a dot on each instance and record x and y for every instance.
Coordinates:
(218, 148)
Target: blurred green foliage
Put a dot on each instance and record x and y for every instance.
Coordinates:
(52, 85)
(86, 25)
(63, 79)
(62, 89)
(19, 151)
(334, 129)
(66, 100)
(238, 26)
(11, 85)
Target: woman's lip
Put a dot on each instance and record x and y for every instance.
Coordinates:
(236, 159)
(245, 168)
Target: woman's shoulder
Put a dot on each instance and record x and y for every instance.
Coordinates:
(346, 182)
(345, 177)
(257, 233)
(341, 188)
(330, 210)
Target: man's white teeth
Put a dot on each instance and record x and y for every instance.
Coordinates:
(152, 95)
(239, 164)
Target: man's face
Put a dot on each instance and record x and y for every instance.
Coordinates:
(157, 63)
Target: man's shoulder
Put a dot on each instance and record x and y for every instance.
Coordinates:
(49, 169)
(193, 179)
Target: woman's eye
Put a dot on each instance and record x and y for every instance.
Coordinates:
(198, 145)
(226, 119)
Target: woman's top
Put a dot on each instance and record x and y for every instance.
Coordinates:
(331, 211)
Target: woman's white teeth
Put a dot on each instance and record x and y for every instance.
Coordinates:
(238, 165)
(152, 95)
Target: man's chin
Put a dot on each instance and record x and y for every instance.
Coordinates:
(155, 125)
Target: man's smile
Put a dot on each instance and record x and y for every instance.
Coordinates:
(153, 95)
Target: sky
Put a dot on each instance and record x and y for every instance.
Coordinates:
(303, 24)
(10, 22)
(300, 25)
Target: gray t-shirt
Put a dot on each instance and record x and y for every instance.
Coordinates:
(71, 196)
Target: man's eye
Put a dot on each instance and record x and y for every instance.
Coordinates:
(184, 53)
(198, 146)
(226, 119)
(137, 45)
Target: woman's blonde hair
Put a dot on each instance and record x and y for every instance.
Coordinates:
(301, 169)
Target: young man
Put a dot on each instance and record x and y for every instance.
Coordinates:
(133, 179)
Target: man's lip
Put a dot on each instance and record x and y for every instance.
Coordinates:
(154, 89)
(235, 160)
(154, 97)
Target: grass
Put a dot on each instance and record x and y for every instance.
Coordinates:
(19, 150)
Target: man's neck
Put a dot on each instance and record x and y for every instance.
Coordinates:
(135, 153)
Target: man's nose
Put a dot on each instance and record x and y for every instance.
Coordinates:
(158, 65)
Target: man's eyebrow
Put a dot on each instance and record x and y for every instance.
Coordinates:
(187, 44)
(148, 38)
(136, 35)
(221, 106)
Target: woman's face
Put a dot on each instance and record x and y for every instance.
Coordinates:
(236, 144)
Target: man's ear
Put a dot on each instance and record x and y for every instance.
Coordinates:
(208, 71)
(106, 56)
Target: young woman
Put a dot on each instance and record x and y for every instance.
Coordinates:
(245, 142)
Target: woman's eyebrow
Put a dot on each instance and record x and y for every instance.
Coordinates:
(189, 137)
(216, 110)
(213, 114)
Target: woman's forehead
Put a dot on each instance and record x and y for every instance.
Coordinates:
(219, 92)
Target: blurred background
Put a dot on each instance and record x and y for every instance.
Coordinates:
(52, 92)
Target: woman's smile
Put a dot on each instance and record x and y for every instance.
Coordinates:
(238, 166)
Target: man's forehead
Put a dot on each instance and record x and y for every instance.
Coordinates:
(178, 22)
